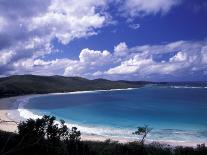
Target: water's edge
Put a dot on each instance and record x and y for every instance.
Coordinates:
(87, 130)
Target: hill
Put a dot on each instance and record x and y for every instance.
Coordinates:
(32, 84)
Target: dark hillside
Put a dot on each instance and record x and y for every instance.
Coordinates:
(32, 84)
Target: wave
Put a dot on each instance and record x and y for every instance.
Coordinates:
(25, 113)
(90, 130)
(188, 87)
(91, 91)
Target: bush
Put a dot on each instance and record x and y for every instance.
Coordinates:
(46, 127)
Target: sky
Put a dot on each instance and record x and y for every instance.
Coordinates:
(154, 40)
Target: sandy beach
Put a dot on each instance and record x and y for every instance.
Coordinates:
(7, 105)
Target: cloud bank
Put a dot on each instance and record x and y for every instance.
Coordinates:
(28, 29)
(175, 60)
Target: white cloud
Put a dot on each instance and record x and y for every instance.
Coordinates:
(35, 24)
(135, 8)
(41, 67)
(5, 57)
(66, 21)
(32, 29)
(188, 60)
(204, 54)
(89, 62)
(178, 59)
(97, 73)
(91, 56)
(134, 26)
(3, 23)
(140, 63)
(27, 64)
(130, 66)
(180, 56)
(121, 49)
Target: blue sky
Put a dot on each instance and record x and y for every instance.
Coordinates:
(157, 40)
(181, 23)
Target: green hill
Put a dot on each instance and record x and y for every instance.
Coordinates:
(32, 84)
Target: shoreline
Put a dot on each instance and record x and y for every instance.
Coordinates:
(10, 104)
(7, 105)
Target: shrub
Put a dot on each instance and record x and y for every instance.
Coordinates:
(46, 127)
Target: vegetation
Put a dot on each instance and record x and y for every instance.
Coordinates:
(32, 84)
(143, 131)
(48, 129)
(45, 136)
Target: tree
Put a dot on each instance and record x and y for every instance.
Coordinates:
(46, 127)
(143, 131)
(45, 136)
(75, 134)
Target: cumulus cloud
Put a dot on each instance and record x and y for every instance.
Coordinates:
(90, 61)
(91, 56)
(121, 49)
(28, 28)
(40, 66)
(66, 21)
(176, 59)
(130, 66)
(63, 20)
(172, 61)
(5, 57)
(181, 59)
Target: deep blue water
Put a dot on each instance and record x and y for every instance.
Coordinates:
(174, 114)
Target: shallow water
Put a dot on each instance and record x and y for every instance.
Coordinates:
(175, 114)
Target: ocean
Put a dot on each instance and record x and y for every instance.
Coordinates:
(176, 114)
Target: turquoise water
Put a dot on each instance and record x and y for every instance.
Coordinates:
(175, 114)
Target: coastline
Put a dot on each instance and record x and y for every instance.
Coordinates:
(9, 105)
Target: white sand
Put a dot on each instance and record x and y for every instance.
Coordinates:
(7, 106)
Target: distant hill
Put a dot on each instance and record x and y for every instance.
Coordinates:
(32, 84)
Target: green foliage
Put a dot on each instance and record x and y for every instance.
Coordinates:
(74, 135)
(143, 131)
(46, 127)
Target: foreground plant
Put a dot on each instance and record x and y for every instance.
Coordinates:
(143, 132)
(46, 127)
